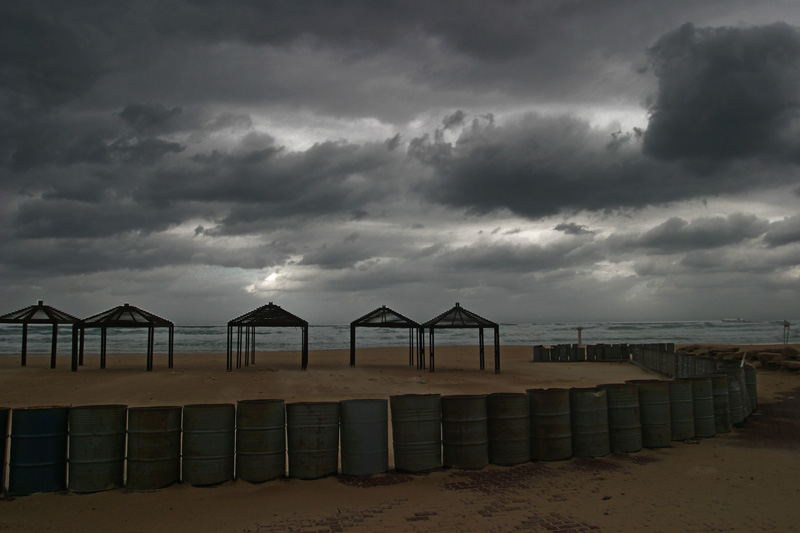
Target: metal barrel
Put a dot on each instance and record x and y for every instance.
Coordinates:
(722, 411)
(312, 430)
(735, 398)
(624, 418)
(508, 422)
(751, 382)
(97, 447)
(416, 432)
(38, 455)
(551, 426)
(364, 437)
(655, 412)
(681, 409)
(4, 415)
(465, 434)
(589, 419)
(703, 406)
(154, 447)
(260, 440)
(208, 443)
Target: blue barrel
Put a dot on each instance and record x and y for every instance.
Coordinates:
(312, 430)
(465, 434)
(551, 425)
(38, 456)
(508, 421)
(416, 432)
(703, 406)
(589, 420)
(681, 409)
(624, 418)
(208, 443)
(4, 414)
(260, 440)
(364, 428)
(154, 447)
(655, 413)
(97, 447)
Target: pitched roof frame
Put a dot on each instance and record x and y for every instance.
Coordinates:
(269, 315)
(460, 318)
(384, 317)
(45, 314)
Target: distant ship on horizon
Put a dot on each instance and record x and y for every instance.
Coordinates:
(734, 320)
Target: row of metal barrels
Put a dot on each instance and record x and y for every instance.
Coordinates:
(679, 365)
(591, 352)
(93, 448)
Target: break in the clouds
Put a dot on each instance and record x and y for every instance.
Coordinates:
(533, 160)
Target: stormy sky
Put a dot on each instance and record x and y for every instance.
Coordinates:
(533, 160)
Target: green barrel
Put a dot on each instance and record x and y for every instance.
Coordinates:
(589, 422)
(722, 411)
(655, 413)
(465, 434)
(154, 447)
(364, 426)
(208, 443)
(260, 440)
(4, 415)
(624, 418)
(508, 421)
(38, 455)
(97, 447)
(681, 409)
(751, 382)
(312, 430)
(551, 425)
(703, 406)
(735, 397)
(416, 432)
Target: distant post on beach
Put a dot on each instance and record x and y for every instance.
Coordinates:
(580, 330)
(786, 325)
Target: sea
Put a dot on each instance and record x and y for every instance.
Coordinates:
(189, 339)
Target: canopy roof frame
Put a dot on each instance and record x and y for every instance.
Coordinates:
(384, 317)
(459, 318)
(129, 316)
(45, 314)
(269, 315)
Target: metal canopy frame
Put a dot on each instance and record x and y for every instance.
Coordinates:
(383, 317)
(45, 314)
(128, 316)
(269, 315)
(460, 318)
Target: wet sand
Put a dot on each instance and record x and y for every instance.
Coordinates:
(745, 480)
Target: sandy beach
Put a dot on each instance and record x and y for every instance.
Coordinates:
(745, 480)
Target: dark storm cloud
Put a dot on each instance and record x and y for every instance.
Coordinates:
(783, 232)
(522, 258)
(726, 93)
(149, 117)
(679, 235)
(571, 228)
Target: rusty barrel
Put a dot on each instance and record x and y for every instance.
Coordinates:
(655, 412)
(364, 437)
(154, 447)
(589, 422)
(722, 411)
(97, 447)
(751, 382)
(702, 406)
(38, 455)
(416, 432)
(312, 431)
(624, 419)
(508, 421)
(465, 434)
(681, 409)
(260, 440)
(551, 425)
(4, 415)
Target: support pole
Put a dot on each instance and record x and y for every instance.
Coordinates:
(80, 349)
(480, 344)
(171, 344)
(229, 359)
(74, 360)
(103, 347)
(304, 357)
(247, 346)
(54, 348)
(24, 359)
(352, 345)
(239, 346)
(430, 339)
(497, 349)
(253, 345)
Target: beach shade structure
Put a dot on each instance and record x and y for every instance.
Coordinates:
(383, 317)
(269, 316)
(460, 318)
(129, 316)
(45, 314)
